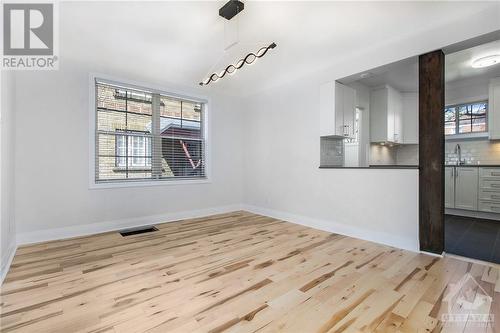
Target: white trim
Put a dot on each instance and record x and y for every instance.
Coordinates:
(7, 261)
(148, 183)
(471, 136)
(340, 228)
(156, 89)
(433, 254)
(96, 228)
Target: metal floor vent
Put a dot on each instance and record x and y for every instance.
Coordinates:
(137, 231)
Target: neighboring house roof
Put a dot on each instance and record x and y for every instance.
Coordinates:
(167, 123)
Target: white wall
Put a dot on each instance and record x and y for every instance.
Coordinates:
(282, 151)
(283, 179)
(266, 156)
(52, 176)
(7, 129)
(466, 90)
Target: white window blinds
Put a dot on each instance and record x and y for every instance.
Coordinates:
(144, 135)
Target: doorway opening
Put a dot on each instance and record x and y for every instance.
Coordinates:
(472, 152)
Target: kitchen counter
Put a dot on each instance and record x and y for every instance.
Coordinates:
(373, 167)
(474, 165)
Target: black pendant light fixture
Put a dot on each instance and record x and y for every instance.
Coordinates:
(228, 11)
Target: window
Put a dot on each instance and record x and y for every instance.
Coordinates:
(137, 147)
(466, 118)
(147, 135)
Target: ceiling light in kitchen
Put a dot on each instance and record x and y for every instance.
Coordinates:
(486, 61)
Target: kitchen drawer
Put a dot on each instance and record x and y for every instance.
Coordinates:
(488, 206)
(489, 195)
(489, 172)
(489, 184)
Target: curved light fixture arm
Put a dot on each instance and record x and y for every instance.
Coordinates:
(248, 59)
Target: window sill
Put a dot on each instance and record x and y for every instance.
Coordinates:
(108, 185)
(473, 136)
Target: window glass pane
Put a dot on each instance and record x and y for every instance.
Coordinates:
(170, 107)
(138, 123)
(182, 157)
(181, 119)
(449, 128)
(479, 124)
(465, 125)
(106, 98)
(464, 112)
(139, 102)
(479, 109)
(450, 114)
(111, 120)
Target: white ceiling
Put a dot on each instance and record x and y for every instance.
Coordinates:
(401, 75)
(180, 42)
(458, 64)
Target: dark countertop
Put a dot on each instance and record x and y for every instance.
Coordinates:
(475, 165)
(373, 167)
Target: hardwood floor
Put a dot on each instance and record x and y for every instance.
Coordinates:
(240, 272)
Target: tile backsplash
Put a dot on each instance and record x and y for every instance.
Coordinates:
(393, 155)
(332, 151)
(474, 151)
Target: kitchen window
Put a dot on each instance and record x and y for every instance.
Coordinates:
(466, 118)
(147, 135)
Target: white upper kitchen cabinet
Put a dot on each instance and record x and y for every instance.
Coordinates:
(494, 109)
(410, 118)
(466, 184)
(337, 110)
(386, 115)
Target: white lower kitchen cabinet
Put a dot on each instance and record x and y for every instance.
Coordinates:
(466, 183)
(449, 187)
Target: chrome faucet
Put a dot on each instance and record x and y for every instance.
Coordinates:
(458, 151)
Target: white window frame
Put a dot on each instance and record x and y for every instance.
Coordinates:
(472, 135)
(165, 91)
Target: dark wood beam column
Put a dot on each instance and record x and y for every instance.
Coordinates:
(431, 151)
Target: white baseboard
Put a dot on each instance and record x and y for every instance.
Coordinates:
(406, 243)
(96, 228)
(340, 228)
(7, 261)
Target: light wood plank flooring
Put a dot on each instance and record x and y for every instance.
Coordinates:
(240, 272)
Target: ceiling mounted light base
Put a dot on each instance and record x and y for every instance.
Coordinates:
(486, 61)
(231, 9)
